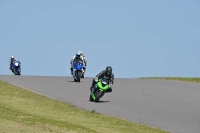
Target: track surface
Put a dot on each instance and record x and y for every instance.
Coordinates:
(170, 105)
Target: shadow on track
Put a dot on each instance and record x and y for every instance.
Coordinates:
(71, 81)
(74, 81)
(99, 101)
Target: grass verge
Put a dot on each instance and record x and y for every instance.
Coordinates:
(27, 112)
(197, 80)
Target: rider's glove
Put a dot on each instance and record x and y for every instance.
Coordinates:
(96, 79)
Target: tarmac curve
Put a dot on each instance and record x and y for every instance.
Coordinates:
(170, 105)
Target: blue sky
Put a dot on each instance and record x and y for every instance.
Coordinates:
(137, 38)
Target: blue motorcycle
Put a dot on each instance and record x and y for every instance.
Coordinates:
(78, 70)
(16, 68)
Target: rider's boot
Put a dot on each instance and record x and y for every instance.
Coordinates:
(82, 76)
(71, 71)
(109, 90)
(83, 73)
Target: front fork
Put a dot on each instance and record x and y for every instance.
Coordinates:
(73, 72)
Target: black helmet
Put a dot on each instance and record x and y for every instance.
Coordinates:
(108, 70)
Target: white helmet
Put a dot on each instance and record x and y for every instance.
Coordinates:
(12, 57)
(80, 52)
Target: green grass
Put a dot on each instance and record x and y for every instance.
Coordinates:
(27, 112)
(197, 80)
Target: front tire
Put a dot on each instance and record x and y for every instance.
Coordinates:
(75, 76)
(98, 94)
(79, 73)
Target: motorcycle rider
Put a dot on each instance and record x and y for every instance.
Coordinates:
(107, 73)
(85, 61)
(78, 56)
(12, 60)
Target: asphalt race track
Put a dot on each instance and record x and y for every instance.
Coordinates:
(169, 105)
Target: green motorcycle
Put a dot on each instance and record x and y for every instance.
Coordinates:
(99, 89)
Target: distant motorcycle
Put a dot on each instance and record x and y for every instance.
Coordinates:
(16, 68)
(98, 90)
(78, 70)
